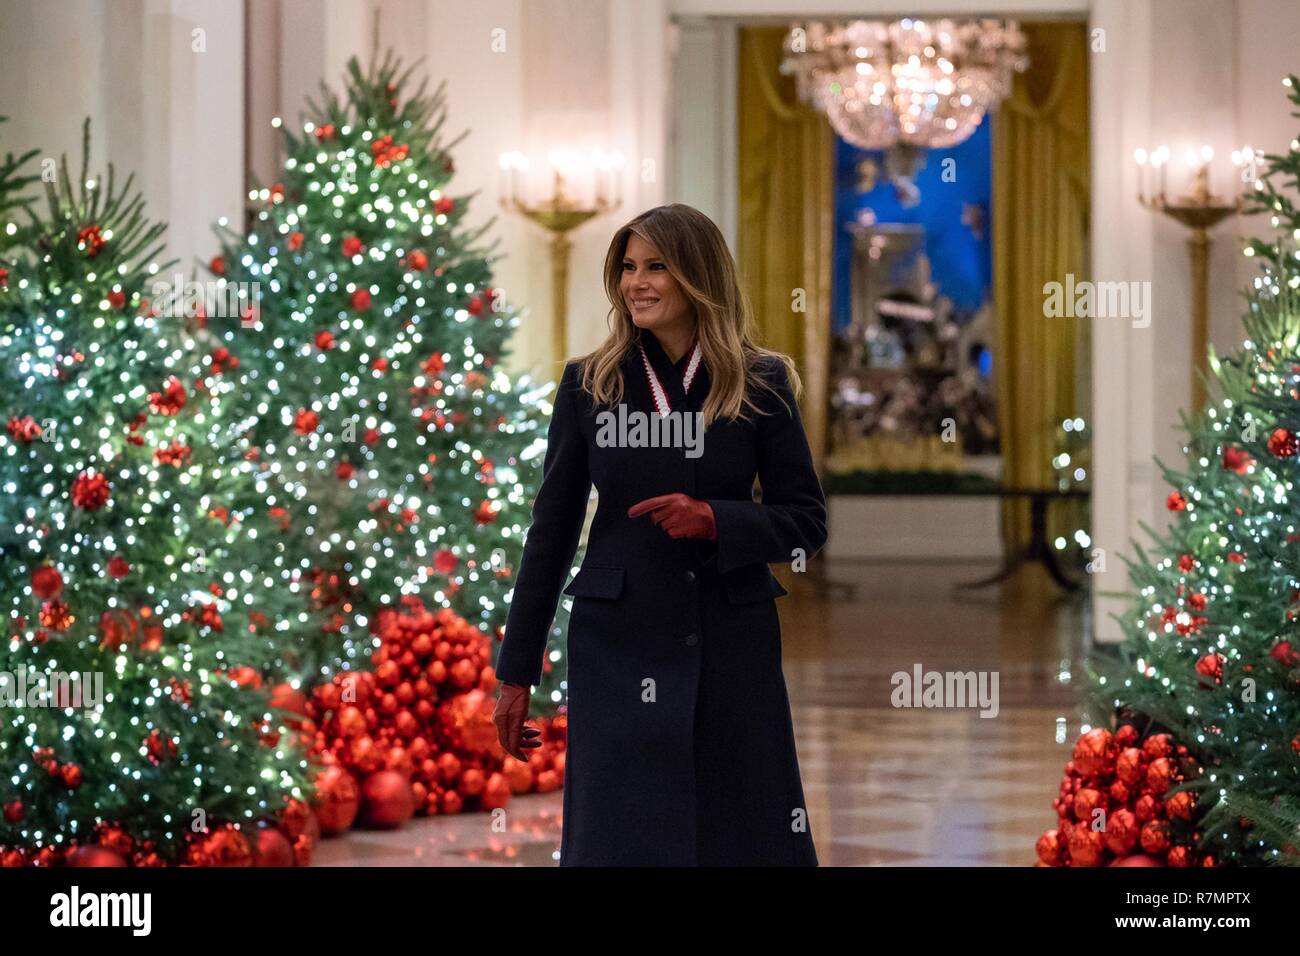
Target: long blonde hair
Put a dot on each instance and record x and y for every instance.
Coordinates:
(696, 255)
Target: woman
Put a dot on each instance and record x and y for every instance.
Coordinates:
(680, 744)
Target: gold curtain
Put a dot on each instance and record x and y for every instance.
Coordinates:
(786, 179)
(1040, 227)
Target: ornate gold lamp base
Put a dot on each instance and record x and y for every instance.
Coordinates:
(1200, 211)
(559, 215)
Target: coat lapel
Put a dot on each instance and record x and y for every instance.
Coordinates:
(669, 375)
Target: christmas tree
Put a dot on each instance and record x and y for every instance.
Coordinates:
(1212, 650)
(133, 727)
(398, 458)
(13, 180)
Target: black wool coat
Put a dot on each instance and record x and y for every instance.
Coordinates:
(680, 742)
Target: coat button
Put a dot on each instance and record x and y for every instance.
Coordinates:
(692, 640)
(689, 576)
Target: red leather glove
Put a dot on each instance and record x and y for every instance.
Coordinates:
(680, 515)
(510, 713)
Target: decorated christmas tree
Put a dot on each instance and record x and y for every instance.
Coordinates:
(13, 180)
(397, 456)
(134, 727)
(1211, 660)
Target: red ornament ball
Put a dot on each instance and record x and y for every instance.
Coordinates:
(1283, 443)
(47, 582)
(351, 721)
(286, 697)
(1211, 666)
(1122, 830)
(1155, 837)
(95, 856)
(1050, 848)
(293, 818)
(1181, 805)
(468, 720)
(1237, 460)
(337, 800)
(90, 490)
(273, 848)
(1138, 859)
(1158, 745)
(1094, 753)
(387, 800)
(1285, 654)
(305, 421)
(1179, 856)
(1146, 808)
(224, 847)
(518, 774)
(1159, 775)
(1087, 847)
(497, 792)
(1086, 802)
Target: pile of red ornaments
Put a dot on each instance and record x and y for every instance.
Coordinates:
(287, 841)
(1115, 808)
(415, 735)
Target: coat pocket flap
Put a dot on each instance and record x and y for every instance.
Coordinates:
(752, 583)
(596, 582)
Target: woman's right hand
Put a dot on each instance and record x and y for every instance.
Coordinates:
(510, 713)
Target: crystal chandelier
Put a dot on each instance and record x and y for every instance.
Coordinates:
(907, 85)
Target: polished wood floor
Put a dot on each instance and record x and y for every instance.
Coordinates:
(885, 786)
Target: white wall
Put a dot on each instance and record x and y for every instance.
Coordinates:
(164, 102)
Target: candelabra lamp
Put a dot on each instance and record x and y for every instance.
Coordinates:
(559, 214)
(1200, 210)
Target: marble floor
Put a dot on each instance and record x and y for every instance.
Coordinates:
(885, 786)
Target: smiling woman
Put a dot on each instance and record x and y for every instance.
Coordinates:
(646, 284)
(681, 745)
